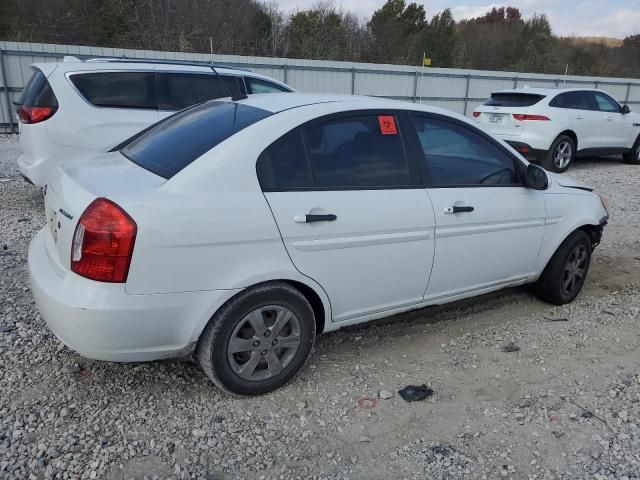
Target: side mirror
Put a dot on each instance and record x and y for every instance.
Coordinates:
(625, 109)
(536, 178)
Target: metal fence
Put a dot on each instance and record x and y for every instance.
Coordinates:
(455, 89)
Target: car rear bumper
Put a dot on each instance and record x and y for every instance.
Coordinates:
(527, 151)
(103, 322)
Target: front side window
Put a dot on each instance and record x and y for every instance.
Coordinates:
(172, 144)
(181, 90)
(606, 103)
(456, 155)
(255, 85)
(359, 152)
(117, 89)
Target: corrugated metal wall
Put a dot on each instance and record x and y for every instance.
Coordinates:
(457, 90)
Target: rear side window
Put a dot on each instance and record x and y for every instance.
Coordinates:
(255, 85)
(363, 151)
(513, 99)
(458, 156)
(575, 101)
(284, 165)
(181, 90)
(38, 92)
(117, 89)
(173, 144)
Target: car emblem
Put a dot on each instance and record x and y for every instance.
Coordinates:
(66, 214)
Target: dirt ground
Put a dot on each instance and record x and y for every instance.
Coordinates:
(565, 404)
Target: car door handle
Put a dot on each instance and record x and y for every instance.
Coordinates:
(457, 209)
(609, 119)
(308, 218)
(579, 117)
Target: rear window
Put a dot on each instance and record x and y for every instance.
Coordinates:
(513, 99)
(38, 92)
(173, 144)
(117, 89)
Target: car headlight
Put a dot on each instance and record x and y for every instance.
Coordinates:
(605, 203)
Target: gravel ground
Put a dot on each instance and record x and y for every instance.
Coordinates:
(564, 405)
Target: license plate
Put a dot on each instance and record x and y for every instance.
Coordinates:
(496, 118)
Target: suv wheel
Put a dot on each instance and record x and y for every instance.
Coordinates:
(566, 272)
(259, 340)
(560, 155)
(633, 155)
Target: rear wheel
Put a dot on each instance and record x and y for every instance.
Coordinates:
(633, 155)
(561, 154)
(259, 340)
(566, 272)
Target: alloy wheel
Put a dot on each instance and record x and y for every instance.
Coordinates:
(562, 154)
(574, 270)
(264, 342)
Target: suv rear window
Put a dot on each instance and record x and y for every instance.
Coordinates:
(174, 143)
(38, 92)
(117, 89)
(513, 99)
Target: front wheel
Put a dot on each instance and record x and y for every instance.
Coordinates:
(566, 272)
(561, 154)
(259, 340)
(633, 155)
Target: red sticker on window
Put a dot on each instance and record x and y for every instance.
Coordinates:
(387, 124)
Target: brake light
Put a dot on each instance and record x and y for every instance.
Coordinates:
(103, 242)
(30, 115)
(475, 114)
(521, 117)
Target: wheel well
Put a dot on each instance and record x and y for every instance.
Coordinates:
(594, 232)
(315, 301)
(572, 136)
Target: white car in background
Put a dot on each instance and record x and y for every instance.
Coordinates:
(238, 231)
(72, 108)
(553, 126)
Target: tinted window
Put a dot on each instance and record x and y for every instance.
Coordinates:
(38, 92)
(181, 90)
(284, 164)
(173, 144)
(606, 103)
(457, 155)
(513, 99)
(363, 151)
(575, 100)
(117, 89)
(260, 86)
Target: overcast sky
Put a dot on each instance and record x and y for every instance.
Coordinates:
(610, 18)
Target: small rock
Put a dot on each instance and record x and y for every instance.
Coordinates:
(198, 433)
(364, 438)
(385, 394)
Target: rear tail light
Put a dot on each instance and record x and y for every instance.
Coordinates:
(29, 114)
(523, 149)
(521, 117)
(475, 114)
(103, 242)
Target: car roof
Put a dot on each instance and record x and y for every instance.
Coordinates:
(545, 91)
(73, 64)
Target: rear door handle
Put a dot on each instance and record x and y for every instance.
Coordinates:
(456, 209)
(308, 218)
(579, 117)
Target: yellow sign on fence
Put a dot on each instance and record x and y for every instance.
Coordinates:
(426, 61)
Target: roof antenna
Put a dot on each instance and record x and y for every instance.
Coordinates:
(234, 96)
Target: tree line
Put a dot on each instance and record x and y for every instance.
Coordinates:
(399, 32)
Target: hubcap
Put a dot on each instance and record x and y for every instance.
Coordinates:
(562, 154)
(574, 270)
(263, 343)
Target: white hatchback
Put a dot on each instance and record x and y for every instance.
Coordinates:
(553, 126)
(238, 231)
(71, 109)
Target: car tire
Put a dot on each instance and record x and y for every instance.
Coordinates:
(565, 274)
(561, 154)
(633, 155)
(240, 349)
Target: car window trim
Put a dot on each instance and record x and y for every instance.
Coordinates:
(68, 76)
(421, 156)
(414, 174)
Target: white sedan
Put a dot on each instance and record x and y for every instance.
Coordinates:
(238, 231)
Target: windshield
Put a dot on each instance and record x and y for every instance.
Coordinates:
(171, 145)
